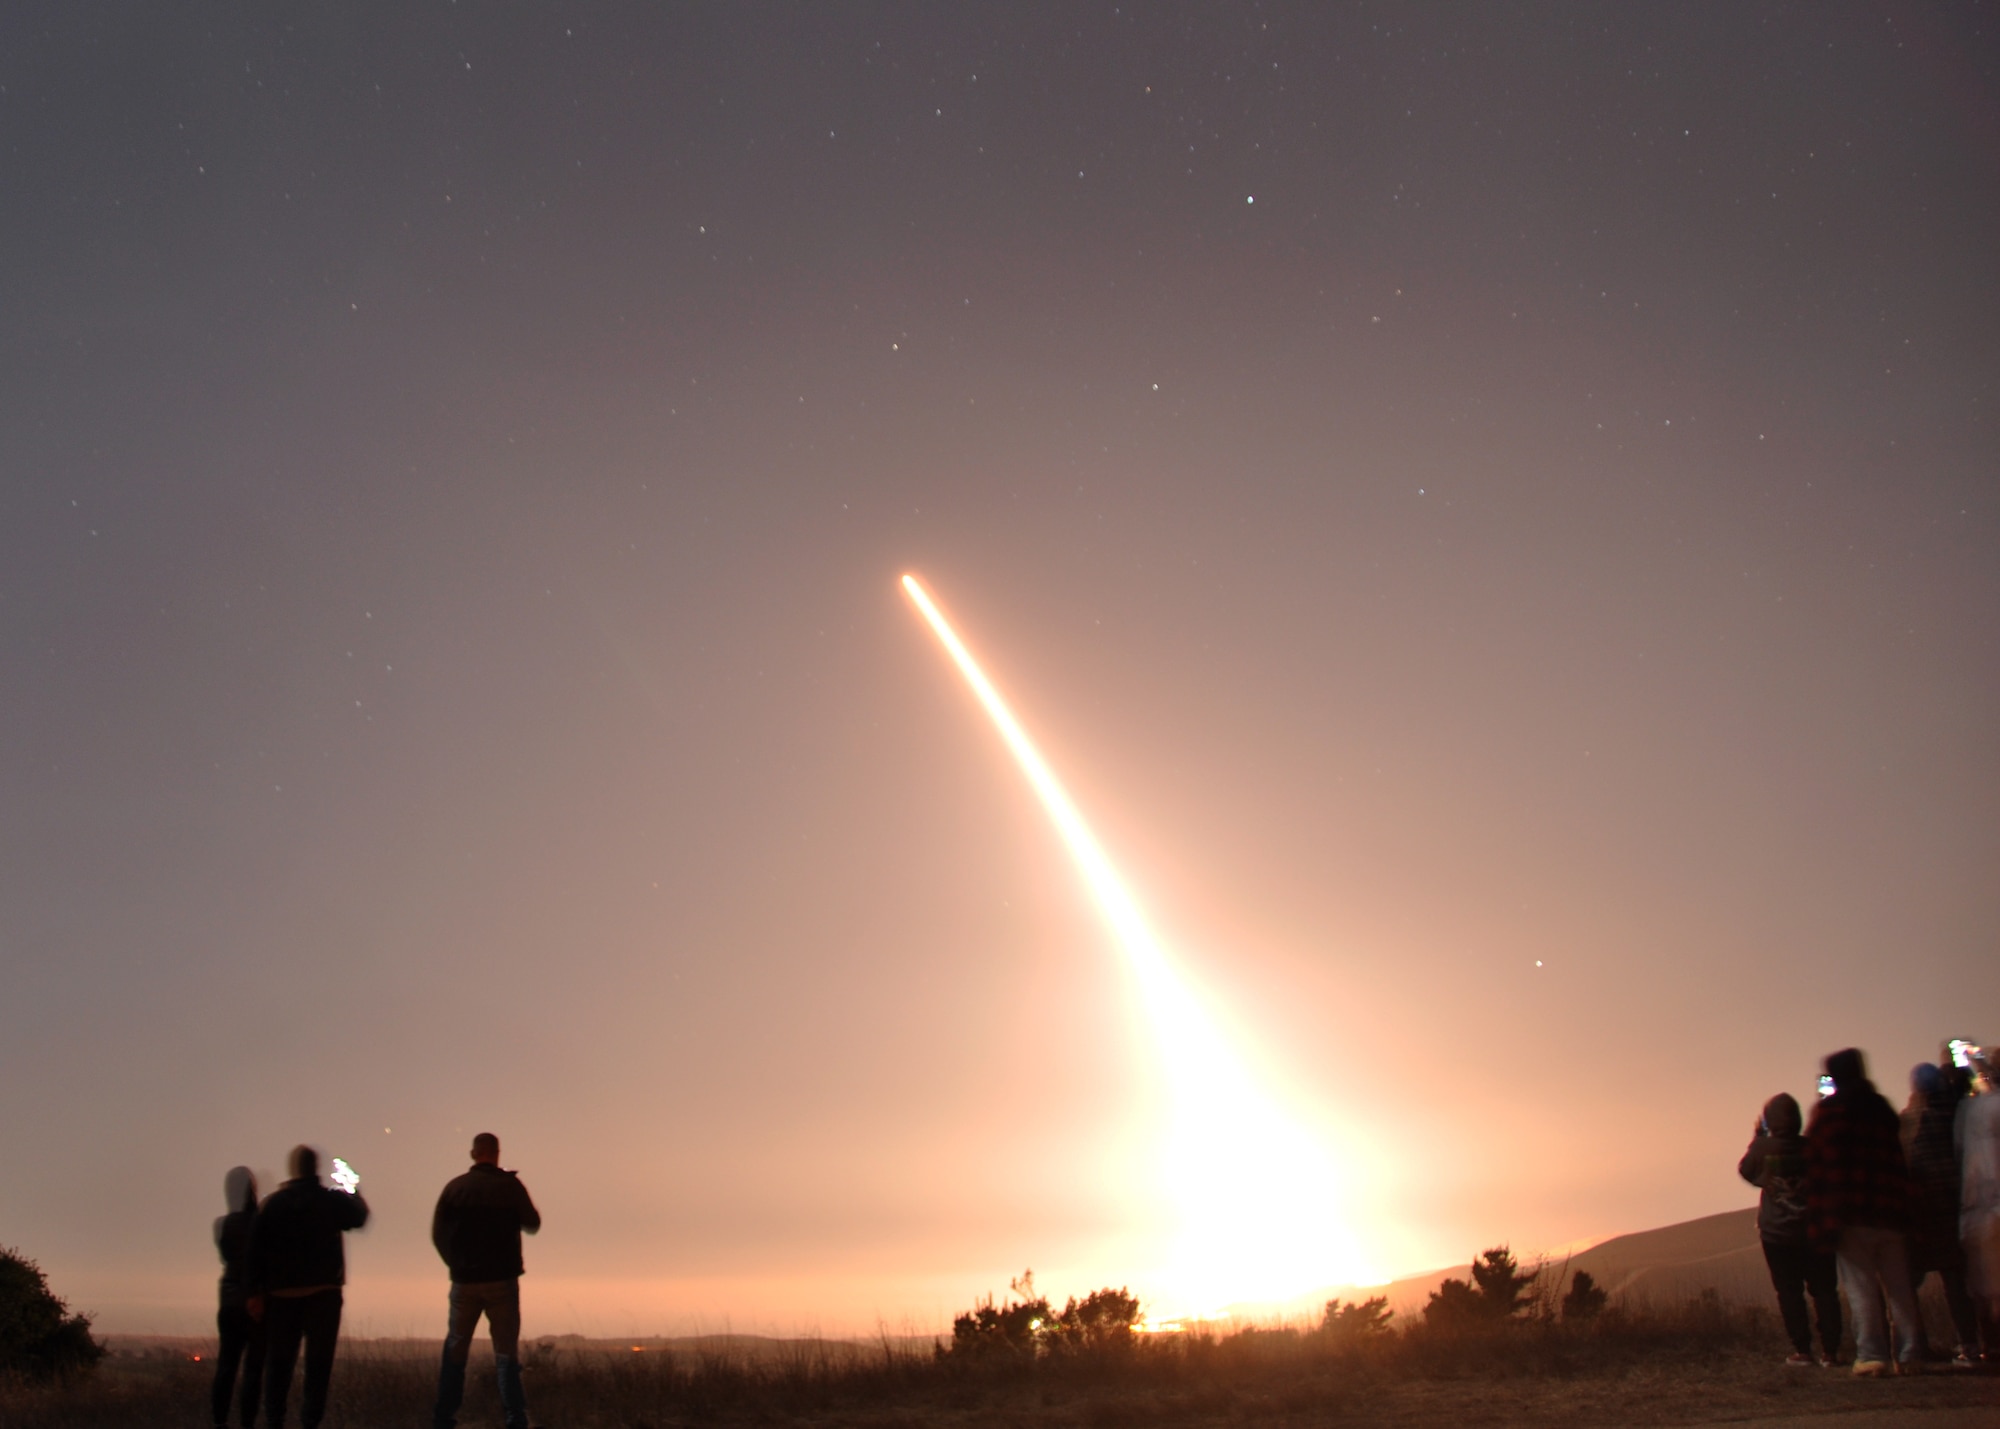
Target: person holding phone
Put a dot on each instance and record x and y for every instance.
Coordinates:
(297, 1268)
(1776, 1165)
(1860, 1201)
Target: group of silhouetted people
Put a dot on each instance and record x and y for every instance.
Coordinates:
(1862, 1203)
(283, 1266)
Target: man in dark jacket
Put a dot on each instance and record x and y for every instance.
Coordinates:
(241, 1338)
(477, 1229)
(1859, 1199)
(297, 1266)
(1776, 1165)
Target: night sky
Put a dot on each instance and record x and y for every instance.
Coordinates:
(1492, 512)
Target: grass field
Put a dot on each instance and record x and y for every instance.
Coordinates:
(1699, 1365)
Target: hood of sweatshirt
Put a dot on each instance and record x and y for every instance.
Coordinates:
(239, 1189)
(1781, 1115)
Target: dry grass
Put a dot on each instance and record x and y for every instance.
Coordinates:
(1703, 1363)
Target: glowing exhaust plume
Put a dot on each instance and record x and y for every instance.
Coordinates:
(1257, 1199)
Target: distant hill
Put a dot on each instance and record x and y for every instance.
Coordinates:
(1660, 1267)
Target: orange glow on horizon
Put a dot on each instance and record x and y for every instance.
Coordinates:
(1257, 1199)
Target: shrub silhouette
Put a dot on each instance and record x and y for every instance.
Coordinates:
(1010, 1331)
(988, 1330)
(1100, 1323)
(1025, 1326)
(1500, 1285)
(1352, 1326)
(39, 1338)
(1585, 1299)
(1454, 1303)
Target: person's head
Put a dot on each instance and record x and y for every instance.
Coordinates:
(1781, 1115)
(486, 1148)
(1848, 1068)
(239, 1188)
(304, 1163)
(1925, 1078)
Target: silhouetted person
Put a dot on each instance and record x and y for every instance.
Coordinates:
(1978, 1141)
(1928, 1122)
(477, 1229)
(1776, 1165)
(242, 1337)
(1859, 1197)
(297, 1266)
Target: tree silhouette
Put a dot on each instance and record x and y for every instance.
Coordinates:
(39, 1338)
(1585, 1299)
(1498, 1284)
(1454, 1303)
(1349, 1326)
(1501, 1282)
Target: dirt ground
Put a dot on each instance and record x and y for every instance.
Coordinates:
(1766, 1396)
(1876, 1419)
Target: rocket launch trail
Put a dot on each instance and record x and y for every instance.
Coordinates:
(1257, 1198)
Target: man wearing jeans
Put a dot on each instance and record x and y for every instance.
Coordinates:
(477, 1229)
(297, 1266)
(1860, 1199)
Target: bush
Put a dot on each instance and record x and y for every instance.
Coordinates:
(1349, 1327)
(1100, 1323)
(1025, 1326)
(1585, 1299)
(1010, 1331)
(39, 1338)
(1500, 1285)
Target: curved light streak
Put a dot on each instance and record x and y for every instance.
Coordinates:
(1257, 1198)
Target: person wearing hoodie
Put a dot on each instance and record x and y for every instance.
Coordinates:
(1858, 1202)
(242, 1337)
(297, 1269)
(1776, 1165)
(477, 1231)
(1928, 1122)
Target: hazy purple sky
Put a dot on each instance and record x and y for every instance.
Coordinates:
(1448, 488)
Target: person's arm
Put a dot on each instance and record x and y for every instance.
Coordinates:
(356, 1213)
(441, 1226)
(1822, 1228)
(1751, 1167)
(531, 1219)
(253, 1269)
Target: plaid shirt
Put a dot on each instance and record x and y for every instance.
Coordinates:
(1855, 1174)
(1934, 1167)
